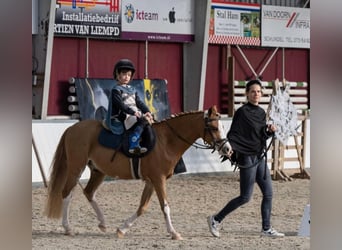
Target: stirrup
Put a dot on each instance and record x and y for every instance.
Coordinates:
(143, 150)
(137, 150)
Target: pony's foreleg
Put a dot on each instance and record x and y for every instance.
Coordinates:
(160, 189)
(170, 229)
(65, 219)
(145, 199)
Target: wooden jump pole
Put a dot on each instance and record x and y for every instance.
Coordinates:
(39, 162)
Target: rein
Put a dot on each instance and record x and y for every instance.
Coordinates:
(199, 145)
(263, 155)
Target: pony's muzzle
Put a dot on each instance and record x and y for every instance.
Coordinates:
(225, 149)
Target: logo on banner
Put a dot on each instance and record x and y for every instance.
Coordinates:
(129, 13)
(292, 18)
(299, 24)
(140, 15)
(172, 14)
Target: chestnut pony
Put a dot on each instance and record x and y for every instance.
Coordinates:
(79, 147)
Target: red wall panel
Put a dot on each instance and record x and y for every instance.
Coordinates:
(214, 75)
(164, 62)
(69, 60)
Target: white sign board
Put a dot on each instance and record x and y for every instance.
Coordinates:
(234, 23)
(285, 27)
(167, 20)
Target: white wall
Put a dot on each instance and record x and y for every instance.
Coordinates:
(46, 135)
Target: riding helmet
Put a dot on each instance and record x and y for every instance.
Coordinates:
(123, 64)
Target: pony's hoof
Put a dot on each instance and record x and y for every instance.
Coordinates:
(103, 228)
(69, 232)
(120, 234)
(176, 236)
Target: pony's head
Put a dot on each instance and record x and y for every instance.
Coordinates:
(214, 133)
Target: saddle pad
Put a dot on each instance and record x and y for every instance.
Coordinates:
(110, 140)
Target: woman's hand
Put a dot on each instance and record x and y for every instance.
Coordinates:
(271, 128)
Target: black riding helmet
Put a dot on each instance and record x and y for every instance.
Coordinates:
(123, 64)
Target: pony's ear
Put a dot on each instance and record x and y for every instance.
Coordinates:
(212, 110)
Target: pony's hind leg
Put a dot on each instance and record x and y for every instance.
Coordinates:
(65, 219)
(96, 178)
(145, 199)
(71, 182)
(67, 196)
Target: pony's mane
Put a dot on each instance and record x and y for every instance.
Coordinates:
(180, 114)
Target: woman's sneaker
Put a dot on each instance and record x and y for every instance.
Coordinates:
(213, 226)
(271, 233)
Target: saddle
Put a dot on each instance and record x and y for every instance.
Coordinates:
(120, 142)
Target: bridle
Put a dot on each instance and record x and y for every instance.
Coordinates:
(208, 128)
(217, 143)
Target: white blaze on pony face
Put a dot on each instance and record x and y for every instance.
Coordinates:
(221, 129)
(226, 148)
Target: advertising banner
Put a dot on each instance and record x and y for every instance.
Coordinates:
(167, 20)
(234, 23)
(82, 18)
(285, 27)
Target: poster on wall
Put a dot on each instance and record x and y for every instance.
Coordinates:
(82, 18)
(155, 20)
(285, 27)
(234, 23)
(93, 96)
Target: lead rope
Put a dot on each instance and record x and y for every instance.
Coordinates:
(265, 155)
(195, 144)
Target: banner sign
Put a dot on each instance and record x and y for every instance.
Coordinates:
(155, 20)
(285, 27)
(86, 18)
(234, 23)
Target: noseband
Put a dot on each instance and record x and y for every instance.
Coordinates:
(209, 128)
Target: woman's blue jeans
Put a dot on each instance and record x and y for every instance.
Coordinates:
(248, 176)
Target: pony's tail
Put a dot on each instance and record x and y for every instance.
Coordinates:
(57, 181)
